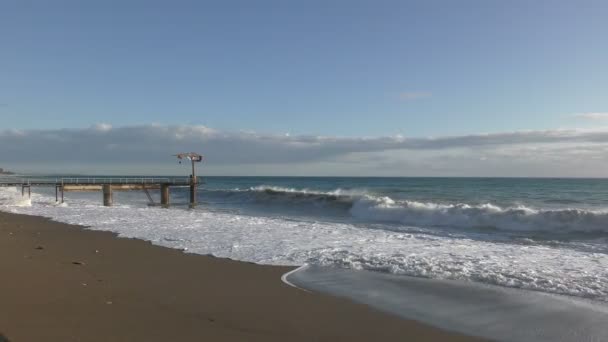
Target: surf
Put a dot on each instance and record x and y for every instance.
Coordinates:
(366, 206)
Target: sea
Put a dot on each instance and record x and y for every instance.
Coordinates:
(513, 259)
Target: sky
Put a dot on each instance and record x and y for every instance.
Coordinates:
(323, 88)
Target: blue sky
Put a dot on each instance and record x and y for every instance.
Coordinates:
(328, 68)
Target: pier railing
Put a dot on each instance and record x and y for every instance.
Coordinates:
(129, 180)
(95, 181)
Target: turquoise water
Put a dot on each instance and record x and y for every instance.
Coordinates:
(541, 208)
(533, 192)
(507, 205)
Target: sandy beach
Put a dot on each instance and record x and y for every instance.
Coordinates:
(65, 283)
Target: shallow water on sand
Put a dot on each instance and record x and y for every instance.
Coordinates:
(488, 311)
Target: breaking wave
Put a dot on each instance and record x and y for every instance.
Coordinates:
(12, 197)
(577, 269)
(367, 207)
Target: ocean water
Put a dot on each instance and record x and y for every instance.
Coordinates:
(548, 236)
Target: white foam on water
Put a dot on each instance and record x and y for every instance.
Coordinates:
(285, 277)
(335, 192)
(287, 241)
(368, 207)
(462, 215)
(11, 197)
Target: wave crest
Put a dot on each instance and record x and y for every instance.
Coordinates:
(461, 215)
(367, 207)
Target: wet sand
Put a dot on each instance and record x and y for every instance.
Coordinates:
(64, 283)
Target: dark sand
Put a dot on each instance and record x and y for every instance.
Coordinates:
(63, 283)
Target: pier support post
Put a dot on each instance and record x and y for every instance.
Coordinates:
(57, 189)
(164, 195)
(29, 191)
(192, 192)
(107, 195)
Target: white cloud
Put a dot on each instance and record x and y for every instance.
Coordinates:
(592, 116)
(565, 152)
(413, 95)
(102, 127)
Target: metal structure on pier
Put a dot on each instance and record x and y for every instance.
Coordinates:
(193, 158)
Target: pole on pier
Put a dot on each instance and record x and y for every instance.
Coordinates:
(164, 195)
(107, 195)
(194, 158)
(56, 193)
(29, 191)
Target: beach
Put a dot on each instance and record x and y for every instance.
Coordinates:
(62, 282)
(303, 171)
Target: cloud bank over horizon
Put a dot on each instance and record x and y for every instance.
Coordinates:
(592, 116)
(148, 149)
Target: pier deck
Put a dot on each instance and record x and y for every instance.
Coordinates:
(106, 184)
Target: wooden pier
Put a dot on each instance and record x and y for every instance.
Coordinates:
(107, 186)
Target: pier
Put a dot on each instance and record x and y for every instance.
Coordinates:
(107, 186)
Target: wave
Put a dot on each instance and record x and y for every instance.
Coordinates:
(12, 197)
(285, 241)
(339, 198)
(520, 218)
(334, 195)
(368, 207)
(562, 201)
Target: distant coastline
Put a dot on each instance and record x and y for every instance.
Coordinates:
(5, 172)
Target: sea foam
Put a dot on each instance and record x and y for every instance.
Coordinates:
(368, 207)
(288, 241)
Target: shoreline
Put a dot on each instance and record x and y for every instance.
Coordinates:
(64, 282)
